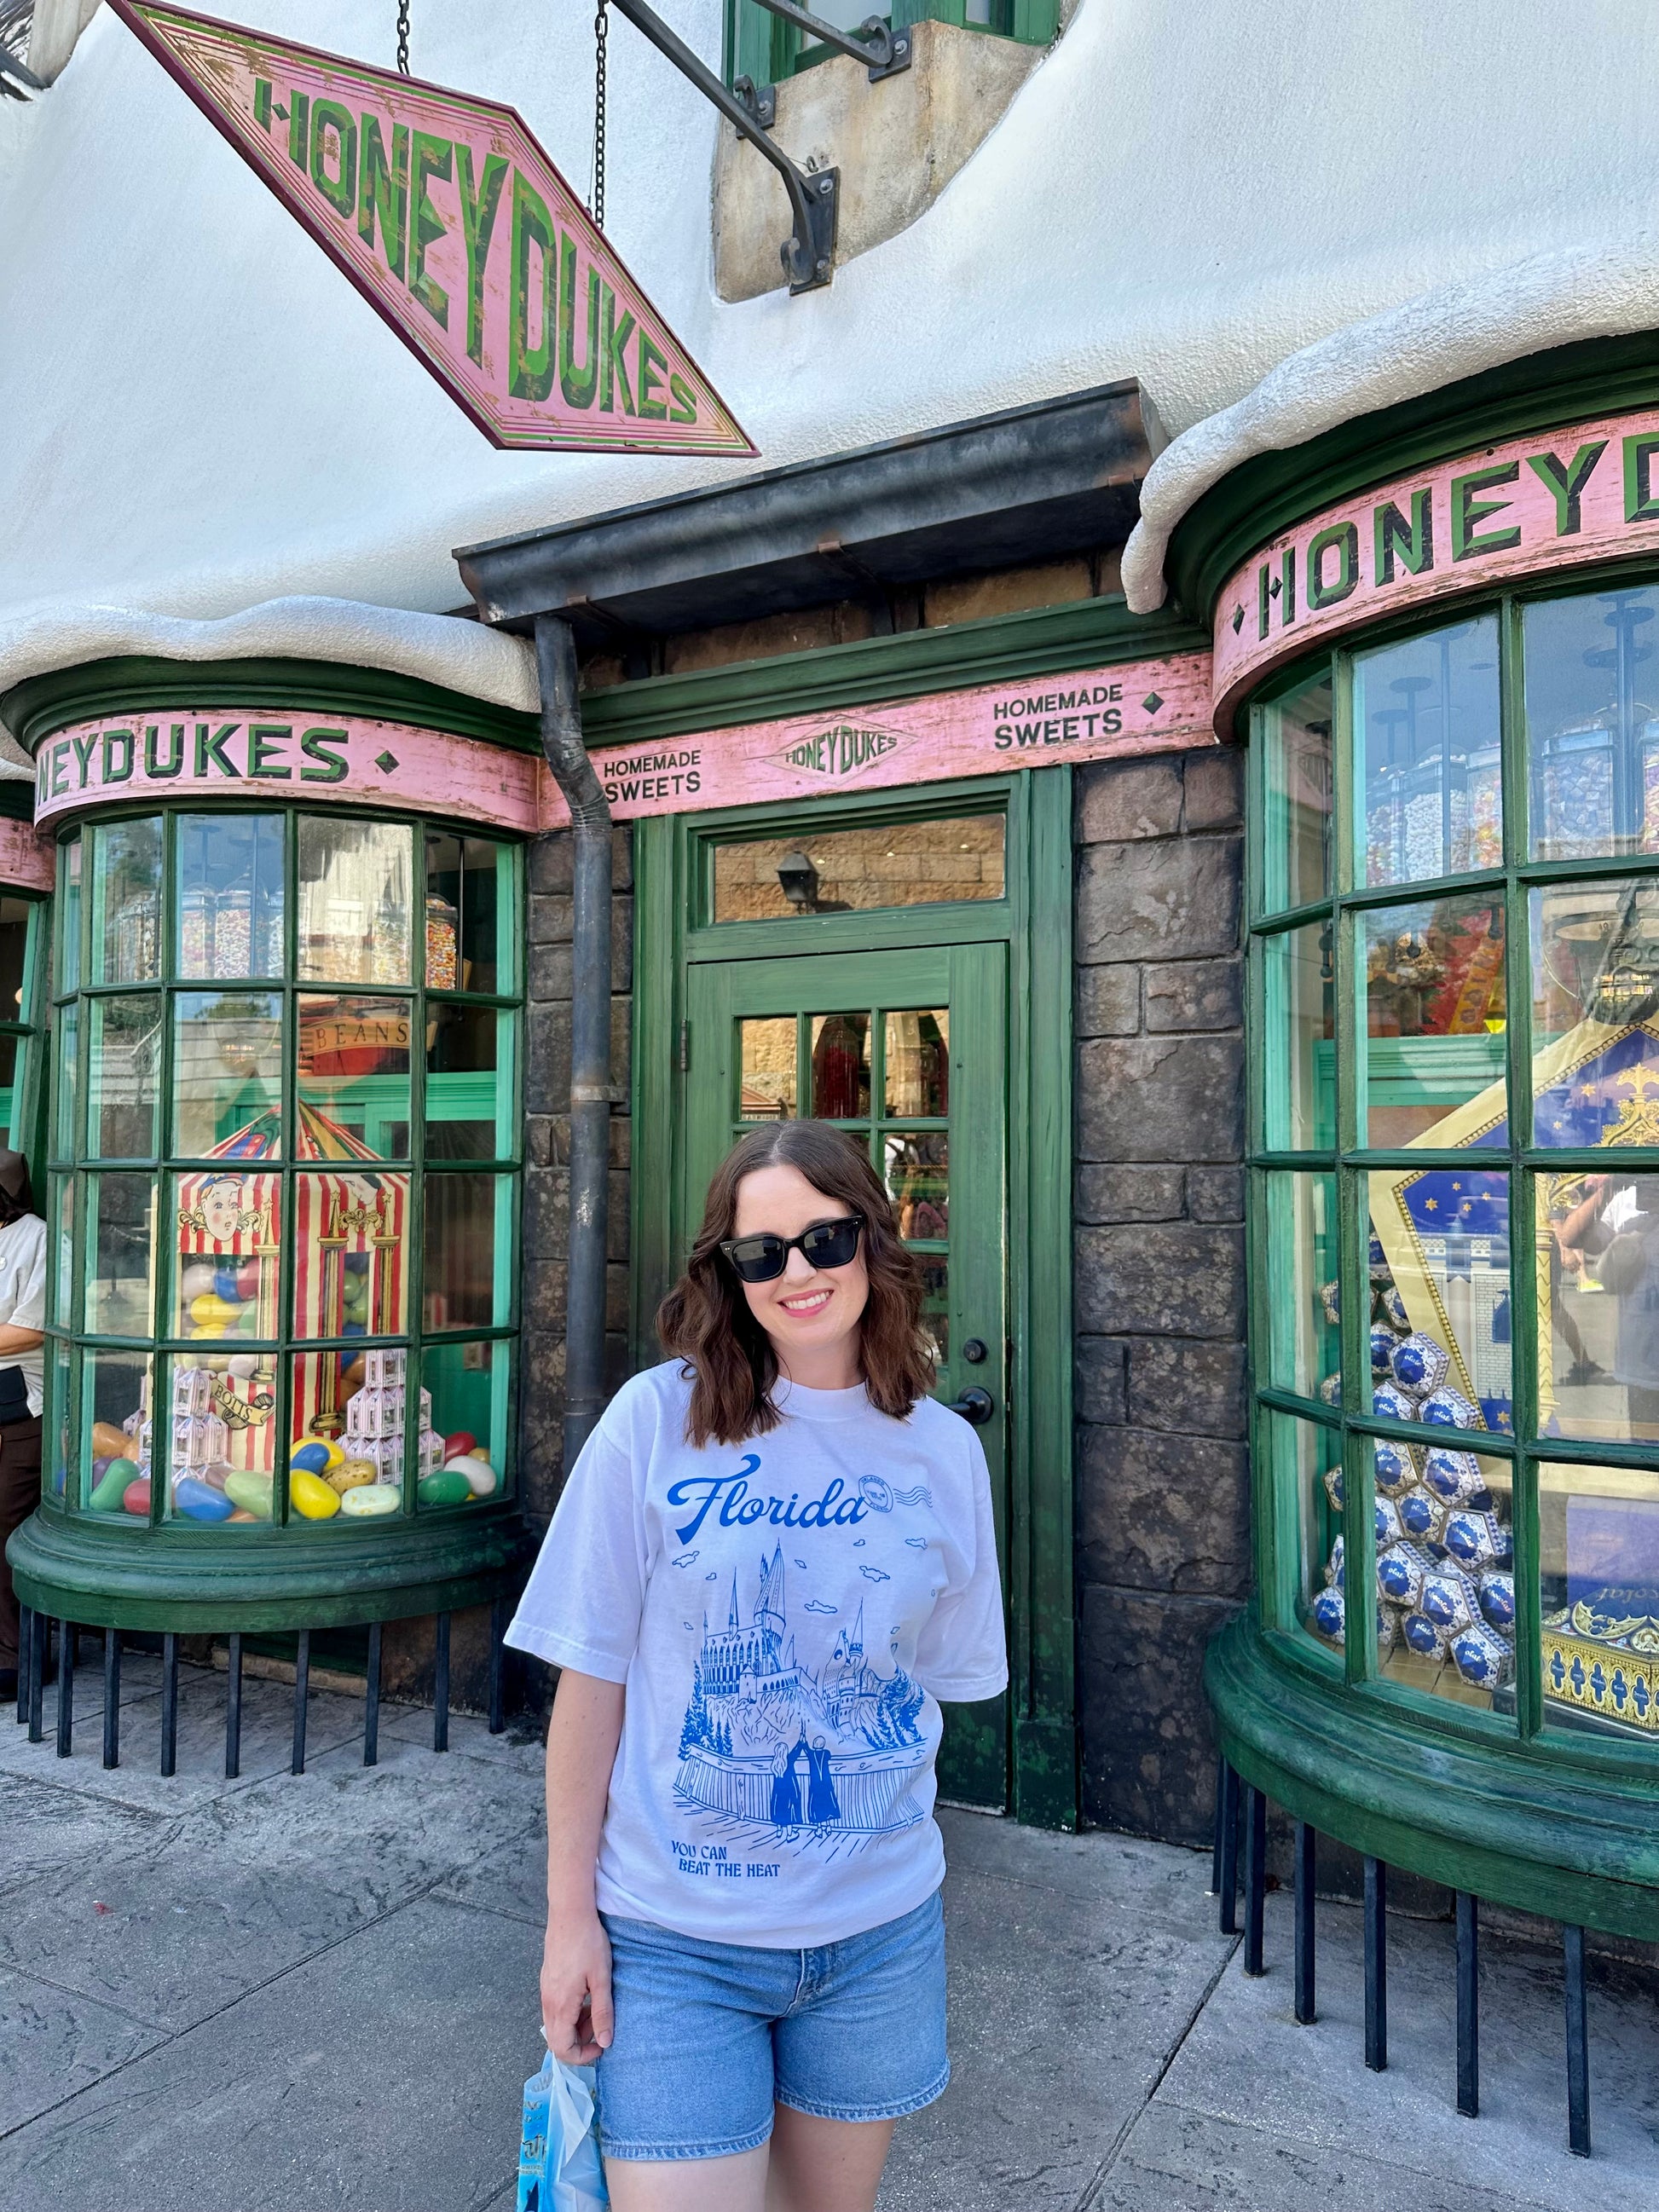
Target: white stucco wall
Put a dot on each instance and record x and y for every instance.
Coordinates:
(201, 414)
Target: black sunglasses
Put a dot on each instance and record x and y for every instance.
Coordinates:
(762, 1259)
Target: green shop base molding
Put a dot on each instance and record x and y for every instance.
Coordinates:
(1451, 1661)
(282, 1153)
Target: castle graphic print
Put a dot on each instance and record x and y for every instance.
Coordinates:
(793, 1754)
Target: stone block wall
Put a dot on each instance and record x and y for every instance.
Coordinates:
(1162, 1479)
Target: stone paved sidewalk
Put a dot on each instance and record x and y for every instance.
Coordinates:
(291, 1994)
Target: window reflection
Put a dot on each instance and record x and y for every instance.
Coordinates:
(768, 1078)
(917, 1181)
(1599, 1592)
(463, 905)
(1295, 735)
(352, 1066)
(1435, 1014)
(1592, 694)
(126, 902)
(845, 871)
(1439, 1279)
(227, 1070)
(840, 1066)
(355, 899)
(1303, 1351)
(918, 1062)
(1299, 1069)
(230, 894)
(1429, 712)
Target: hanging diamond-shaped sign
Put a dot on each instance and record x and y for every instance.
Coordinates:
(452, 221)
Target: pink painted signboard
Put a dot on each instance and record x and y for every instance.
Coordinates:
(1137, 707)
(1557, 500)
(455, 225)
(201, 750)
(26, 859)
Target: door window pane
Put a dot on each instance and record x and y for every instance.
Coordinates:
(1303, 1347)
(227, 1225)
(918, 1062)
(767, 1077)
(115, 1433)
(918, 1183)
(466, 896)
(845, 871)
(1299, 1065)
(936, 1304)
(352, 1078)
(1439, 1279)
(120, 1254)
(1599, 1584)
(1294, 736)
(126, 902)
(840, 1066)
(1434, 1018)
(355, 893)
(469, 1245)
(468, 1096)
(467, 1385)
(351, 1248)
(228, 1073)
(124, 1077)
(229, 869)
(1445, 1571)
(1592, 694)
(1427, 711)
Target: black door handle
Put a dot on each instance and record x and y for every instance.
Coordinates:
(975, 1405)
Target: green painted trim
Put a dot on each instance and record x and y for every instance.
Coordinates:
(192, 1581)
(657, 1011)
(35, 709)
(1046, 1762)
(1543, 1834)
(1272, 492)
(1088, 633)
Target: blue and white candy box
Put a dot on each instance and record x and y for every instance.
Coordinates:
(1420, 1364)
(1446, 1408)
(1454, 1475)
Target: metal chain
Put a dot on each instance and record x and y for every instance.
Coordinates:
(600, 27)
(403, 38)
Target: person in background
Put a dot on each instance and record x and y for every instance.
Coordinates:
(22, 1311)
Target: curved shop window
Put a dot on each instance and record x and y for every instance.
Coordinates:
(1454, 1224)
(283, 1172)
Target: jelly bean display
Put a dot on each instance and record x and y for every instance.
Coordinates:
(111, 1486)
(135, 1498)
(448, 1486)
(249, 1493)
(352, 1474)
(199, 1501)
(481, 1477)
(310, 1495)
(310, 1457)
(459, 1444)
(371, 1502)
(108, 1442)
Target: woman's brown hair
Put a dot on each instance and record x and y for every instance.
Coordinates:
(706, 1319)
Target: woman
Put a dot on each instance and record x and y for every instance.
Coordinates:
(776, 1538)
(22, 1311)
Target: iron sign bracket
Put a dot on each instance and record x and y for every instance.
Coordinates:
(809, 253)
(886, 51)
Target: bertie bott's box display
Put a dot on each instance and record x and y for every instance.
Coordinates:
(350, 1412)
(1438, 1289)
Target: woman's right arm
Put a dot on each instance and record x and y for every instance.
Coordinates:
(582, 1750)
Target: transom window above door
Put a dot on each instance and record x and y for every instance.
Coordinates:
(915, 863)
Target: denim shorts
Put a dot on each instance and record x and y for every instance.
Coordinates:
(709, 2036)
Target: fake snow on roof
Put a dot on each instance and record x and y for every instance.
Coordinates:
(1434, 340)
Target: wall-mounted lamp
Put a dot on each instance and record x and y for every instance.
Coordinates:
(799, 880)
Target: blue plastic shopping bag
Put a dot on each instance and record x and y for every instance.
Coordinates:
(559, 2168)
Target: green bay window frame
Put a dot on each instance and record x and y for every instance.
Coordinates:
(1526, 1737)
(27, 1120)
(763, 46)
(78, 1168)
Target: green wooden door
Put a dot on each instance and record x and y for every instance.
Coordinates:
(908, 1051)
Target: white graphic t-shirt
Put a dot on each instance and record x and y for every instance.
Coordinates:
(786, 1614)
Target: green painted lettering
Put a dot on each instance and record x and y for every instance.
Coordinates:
(478, 211)
(613, 380)
(340, 190)
(1342, 538)
(262, 102)
(83, 748)
(1468, 511)
(1640, 505)
(174, 764)
(1412, 544)
(434, 157)
(578, 384)
(126, 739)
(210, 746)
(651, 359)
(684, 409)
(60, 770)
(319, 745)
(530, 368)
(1566, 481)
(264, 739)
(299, 127)
(383, 193)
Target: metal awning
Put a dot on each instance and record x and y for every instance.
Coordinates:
(1038, 482)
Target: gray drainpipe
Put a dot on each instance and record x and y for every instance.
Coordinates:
(590, 1032)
